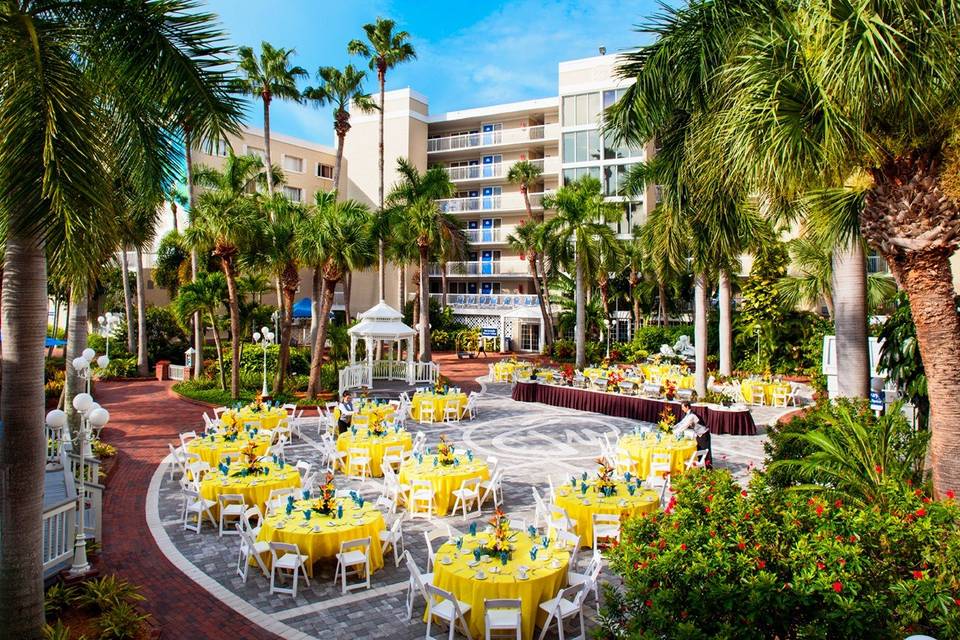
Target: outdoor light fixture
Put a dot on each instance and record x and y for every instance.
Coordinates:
(108, 322)
(265, 338)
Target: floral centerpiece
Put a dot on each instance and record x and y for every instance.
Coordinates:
(567, 370)
(670, 390)
(445, 451)
(377, 425)
(250, 463)
(499, 544)
(325, 502)
(605, 484)
(614, 378)
(667, 420)
(249, 453)
(441, 386)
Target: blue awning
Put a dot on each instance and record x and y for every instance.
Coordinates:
(302, 309)
(49, 342)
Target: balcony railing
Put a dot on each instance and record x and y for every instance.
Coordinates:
(487, 301)
(488, 236)
(499, 169)
(483, 268)
(491, 138)
(504, 202)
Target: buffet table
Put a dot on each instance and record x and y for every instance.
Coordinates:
(719, 420)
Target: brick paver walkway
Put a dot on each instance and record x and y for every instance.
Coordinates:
(143, 420)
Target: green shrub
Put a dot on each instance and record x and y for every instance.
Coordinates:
(251, 360)
(564, 350)
(59, 597)
(120, 368)
(57, 632)
(900, 357)
(102, 594)
(764, 563)
(118, 348)
(121, 621)
(53, 377)
(166, 339)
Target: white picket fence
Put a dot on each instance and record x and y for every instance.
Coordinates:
(359, 375)
(175, 372)
(389, 370)
(425, 372)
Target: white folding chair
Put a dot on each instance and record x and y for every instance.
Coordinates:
(757, 395)
(468, 494)
(232, 509)
(393, 488)
(176, 463)
(186, 437)
(196, 506)
(558, 519)
(248, 520)
(606, 527)
(698, 459)
(289, 561)
(421, 495)
(590, 579)
(427, 412)
(417, 584)
(540, 514)
(492, 487)
(251, 548)
(419, 443)
(471, 409)
(659, 467)
(502, 615)
(451, 410)
(353, 554)
(429, 537)
(393, 537)
(392, 457)
(568, 604)
(358, 460)
(303, 468)
(448, 609)
(571, 542)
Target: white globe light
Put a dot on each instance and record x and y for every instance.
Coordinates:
(89, 354)
(270, 336)
(93, 406)
(101, 319)
(256, 336)
(80, 363)
(264, 329)
(82, 402)
(103, 361)
(56, 419)
(99, 417)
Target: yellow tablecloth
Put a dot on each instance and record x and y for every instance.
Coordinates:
(369, 409)
(503, 371)
(269, 418)
(747, 387)
(374, 446)
(439, 402)
(445, 478)
(210, 451)
(642, 449)
(544, 578)
(622, 503)
(322, 535)
(254, 489)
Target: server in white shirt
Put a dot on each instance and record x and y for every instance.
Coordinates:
(692, 422)
(345, 406)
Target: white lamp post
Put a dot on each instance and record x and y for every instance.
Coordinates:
(108, 322)
(264, 338)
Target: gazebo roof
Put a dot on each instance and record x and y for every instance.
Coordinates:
(382, 322)
(381, 312)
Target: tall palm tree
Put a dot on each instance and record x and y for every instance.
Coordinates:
(207, 294)
(578, 234)
(526, 174)
(526, 240)
(149, 65)
(384, 49)
(143, 219)
(322, 200)
(265, 77)
(340, 89)
(636, 263)
(337, 237)
(227, 223)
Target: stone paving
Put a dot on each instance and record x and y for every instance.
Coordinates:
(531, 441)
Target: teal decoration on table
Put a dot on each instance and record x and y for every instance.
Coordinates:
(289, 508)
(459, 542)
(339, 511)
(306, 494)
(631, 489)
(473, 528)
(306, 514)
(583, 476)
(544, 541)
(532, 530)
(470, 455)
(476, 554)
(533, 553)
(435, 461)
(504, 556)
(627, 475)
(456, 462)
(290, 499)
(573, 482)
(583, 488)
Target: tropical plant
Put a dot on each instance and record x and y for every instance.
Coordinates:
(340, 89)
(266, 77)
(384, 49)
(207, 294)
(526, 240)
(577, 236)
(106, 592)
(121, 621)
(526, 174)
(67, 70)
(171, 266)
(166, 339)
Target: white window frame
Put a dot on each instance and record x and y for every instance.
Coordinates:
(283, 163)
(299, 190)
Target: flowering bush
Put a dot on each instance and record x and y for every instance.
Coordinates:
(723, 562)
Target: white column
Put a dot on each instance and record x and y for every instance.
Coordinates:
(503, 335)
(368, 342)
(410, 377)
(540, 336)
(353, 349)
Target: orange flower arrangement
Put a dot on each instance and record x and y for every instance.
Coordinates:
(605, 484)
(249, 452)
(501, 532)
(325, 501)
(445, 451)
(667, 419)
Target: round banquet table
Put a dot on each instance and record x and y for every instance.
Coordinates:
(503, 371)
(445, 479)
(254, 489)
(439, 401)
(747, 387)
(268, 418)
(320, 537)
(545, 576)
(369, 409)
(375, 446)
(211, 450)
(581, 507)
(641, 450)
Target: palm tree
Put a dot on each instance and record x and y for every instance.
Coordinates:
(340, 89)
(636, 262)
(384, 49)
(578, 234)
(526, 174)
(143, 218)
(52, 199)
(227, 223)
(267, 77)
(525, 240)
(338, 238)
(322, 201)
(206, 295)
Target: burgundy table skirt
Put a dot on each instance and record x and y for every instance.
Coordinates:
(720, 421)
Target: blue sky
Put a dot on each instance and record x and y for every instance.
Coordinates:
(470, 54)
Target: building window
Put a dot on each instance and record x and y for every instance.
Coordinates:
(257, 151)
(324, 171)
(581, 109)
(614, 151)
(294, 194)
(633, 216)
(610, 96)
(293, 163)
(614, 176)
(572, 175)
(215, 148)
(581, 146)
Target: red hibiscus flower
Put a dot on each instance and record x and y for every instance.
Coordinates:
(761, 564)
(878, 469)
(950, 494)
(918, 575)
(920, 512)
(741, 546)
(683, 547)
(648, 603)
(838, 504)
(819, 510)
(744, 493)
(838, 586)
(821, 566)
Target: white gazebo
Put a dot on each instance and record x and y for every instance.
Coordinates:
(383, 325)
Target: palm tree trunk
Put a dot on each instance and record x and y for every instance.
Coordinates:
(341, 138)
(173, 211)
(266, 144)
(234, 305)
(545, 292)
(425, 355)
(381, 258)
(700, 333)
(444, 285)
(850, 320)
(76, 343)
(581, 329)
(547, 328)
(286, 334)
(828, 301)
(416, 307)
(197, 320)
(127, 297)
(726, 325)
(143, 366)
(316, 297)
(316, 361)
(347, 289)
(215, 327)
(22, 440)
(662, 295)
(402, 286)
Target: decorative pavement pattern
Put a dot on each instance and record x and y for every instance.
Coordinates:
(531, 441)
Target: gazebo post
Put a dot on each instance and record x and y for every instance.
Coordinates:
(368, 342)
(353, 349)
(410, 376)
(503, 334)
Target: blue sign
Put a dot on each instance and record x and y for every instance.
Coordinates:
(876, 400)
(489, 333)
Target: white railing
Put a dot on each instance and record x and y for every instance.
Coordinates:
(91, 468)
(354, 376)
(483, 268)
(389, 370)
(55, 441)
(175, 372)
(58, 532)
(487, 236)
(488, 301)
(93, 493)
(358, 375)
(503, 202)
(491, 138)
(425, 372)
(499, 169)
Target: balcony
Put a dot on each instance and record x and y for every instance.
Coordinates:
(511, 267)
(499, 170)
(503, 202)
(501, 138)
(504, 301)
(497, 235)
